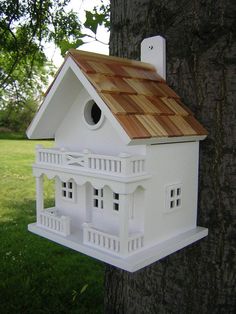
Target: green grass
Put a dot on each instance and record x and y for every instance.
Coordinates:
(36, 275)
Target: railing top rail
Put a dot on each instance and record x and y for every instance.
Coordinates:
(92, 229)
(62, 151)
(72, 153)
(135, 236)
(107, 157)
(48, 150)
(134, 158)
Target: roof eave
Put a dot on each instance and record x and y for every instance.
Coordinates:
(166, 140)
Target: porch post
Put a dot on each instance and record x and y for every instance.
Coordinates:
(88, 202)
(124, 203)
(39, 196)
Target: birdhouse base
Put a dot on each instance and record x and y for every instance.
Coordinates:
(132, 263)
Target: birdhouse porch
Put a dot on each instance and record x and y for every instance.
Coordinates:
(95, 198)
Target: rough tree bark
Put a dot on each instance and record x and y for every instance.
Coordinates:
(201, 55)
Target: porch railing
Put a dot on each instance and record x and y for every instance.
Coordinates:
(135, 242)
(50, 220)
(122, 165)
(100, 239)
(108, 242)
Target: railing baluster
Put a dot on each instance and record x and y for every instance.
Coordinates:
(101, 164)
(112, 166)
(96, 163)
(119, 166)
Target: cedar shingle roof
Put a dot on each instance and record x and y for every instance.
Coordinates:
(138, 97)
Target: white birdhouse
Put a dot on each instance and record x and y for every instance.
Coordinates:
(125, 159)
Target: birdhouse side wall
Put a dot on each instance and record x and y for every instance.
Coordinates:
(171, 195)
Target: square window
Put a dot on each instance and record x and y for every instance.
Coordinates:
(97, 198)
(173, 197)
(116, 196)
(116, 206)
(67, 190)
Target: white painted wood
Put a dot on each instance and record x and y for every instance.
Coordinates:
(94, 95)
(121, 185)
(72, 133)
(137, 212)
(143, 172)
(170, 164)
(124, 205)
(153, 51)
(76, 209)
(61, 96)
(101, 240)
(132, 263)
(50, 220)
(39, 196)
(113, 165)
(166, 140)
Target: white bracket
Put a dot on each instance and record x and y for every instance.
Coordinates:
(153, 51)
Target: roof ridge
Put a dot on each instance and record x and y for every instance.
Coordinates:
(109, 58)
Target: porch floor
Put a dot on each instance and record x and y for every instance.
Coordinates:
(132, 263)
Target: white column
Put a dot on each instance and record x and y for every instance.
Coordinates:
(125, 164)
(39, 196)
(124, 203)
(88, 202)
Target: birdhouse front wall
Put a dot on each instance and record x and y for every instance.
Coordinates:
(171, 194)
(75, 208)
(74, 134)
(99, 206)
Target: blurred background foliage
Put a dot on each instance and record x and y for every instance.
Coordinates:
(26, 27)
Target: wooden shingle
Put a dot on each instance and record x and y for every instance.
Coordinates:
(142, 102)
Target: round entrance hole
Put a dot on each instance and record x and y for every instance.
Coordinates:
(92, 114)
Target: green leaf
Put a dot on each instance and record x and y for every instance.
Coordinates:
(65, 45)
(84, 288)
(74, 295)
(93, 19)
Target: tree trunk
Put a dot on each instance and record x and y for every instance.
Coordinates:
(201, 54)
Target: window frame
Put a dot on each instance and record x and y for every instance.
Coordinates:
(174, 197)
(115, 201)
(98, 197)
(67, 188)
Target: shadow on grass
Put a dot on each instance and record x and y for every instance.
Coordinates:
(39, 276)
